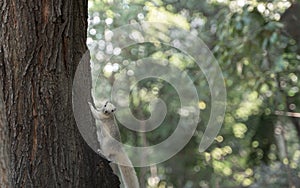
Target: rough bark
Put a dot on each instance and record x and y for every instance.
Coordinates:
(41, 43)
(4, 162)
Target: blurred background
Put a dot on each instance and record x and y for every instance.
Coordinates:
(256, 44)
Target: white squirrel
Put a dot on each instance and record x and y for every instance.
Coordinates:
(109, 138)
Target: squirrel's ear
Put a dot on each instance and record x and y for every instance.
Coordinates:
(105, 103)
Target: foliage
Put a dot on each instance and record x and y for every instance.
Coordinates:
(260, 65)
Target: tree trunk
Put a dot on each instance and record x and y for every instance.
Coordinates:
(4, 162)
(41, 44)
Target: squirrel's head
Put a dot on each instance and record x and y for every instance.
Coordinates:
(108, 108)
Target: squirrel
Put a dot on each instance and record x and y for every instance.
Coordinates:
(109, 137)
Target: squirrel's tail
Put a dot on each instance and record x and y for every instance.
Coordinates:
(128, 174)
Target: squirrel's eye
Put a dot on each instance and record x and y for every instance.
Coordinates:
(112, 110)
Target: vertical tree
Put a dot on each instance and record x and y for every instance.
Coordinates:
(41, 44)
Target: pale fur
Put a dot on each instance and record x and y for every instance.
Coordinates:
(109, 138)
